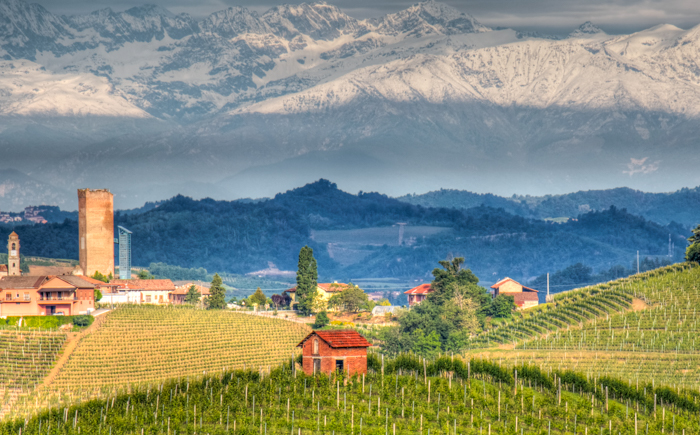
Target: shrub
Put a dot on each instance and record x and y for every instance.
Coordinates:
(82, 320)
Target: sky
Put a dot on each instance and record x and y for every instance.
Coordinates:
(547, 16)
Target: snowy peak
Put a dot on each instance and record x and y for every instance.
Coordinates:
(234, 21)
(142, 23)
(429, 17)
(585, 30)
(320, 21)
(24, 27)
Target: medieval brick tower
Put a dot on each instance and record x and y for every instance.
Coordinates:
(96, 226)
(13, 255)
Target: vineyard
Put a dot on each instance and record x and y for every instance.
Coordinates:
(141, 344)
(403, 396)
(27, 356)
(600, 318)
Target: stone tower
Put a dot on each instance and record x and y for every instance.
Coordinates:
(96, 228)
(13, 255)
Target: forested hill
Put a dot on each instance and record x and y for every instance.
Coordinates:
(356, 236)
(682, 206)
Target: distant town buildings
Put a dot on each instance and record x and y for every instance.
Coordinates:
(324, 291)
(524, 297)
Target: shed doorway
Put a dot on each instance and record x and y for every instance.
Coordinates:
(339, 365)
(317, 365)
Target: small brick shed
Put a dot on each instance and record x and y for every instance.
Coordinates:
(326, 351)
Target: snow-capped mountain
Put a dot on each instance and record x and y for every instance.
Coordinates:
(241, 96)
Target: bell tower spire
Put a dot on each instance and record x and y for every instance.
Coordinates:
(13, 266)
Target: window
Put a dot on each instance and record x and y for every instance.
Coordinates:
(27, 297)
(8, 296)
(316, 346)
(339, 365)
(148, 298)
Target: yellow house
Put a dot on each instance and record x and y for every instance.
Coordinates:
(323, 290)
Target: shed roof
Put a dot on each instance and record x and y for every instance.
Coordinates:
(339, 338)
(20, 282)
(506, 279)
(77, 281)
(422, 289)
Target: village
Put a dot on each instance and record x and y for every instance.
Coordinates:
(92, 282)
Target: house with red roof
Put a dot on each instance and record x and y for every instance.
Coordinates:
(329, 351)
(46, 295)
(524, 297)
(151, 291)
(418, 294)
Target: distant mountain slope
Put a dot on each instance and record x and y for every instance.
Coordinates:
(243, 236)
(428, 96)
(682, 206)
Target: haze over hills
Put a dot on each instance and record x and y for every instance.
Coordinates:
(242, 104)
(357, 236)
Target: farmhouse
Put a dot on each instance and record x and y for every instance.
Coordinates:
(328, 351)
(324, 291)
(418, 294)
(524, 297)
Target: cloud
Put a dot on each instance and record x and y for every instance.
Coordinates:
(640, 166)
(561, 16)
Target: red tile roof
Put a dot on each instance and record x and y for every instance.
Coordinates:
(422, 289)
(339, 339)
(144, 284)
(22, 282)
(520, 298)
(505, 280)
(3, 267)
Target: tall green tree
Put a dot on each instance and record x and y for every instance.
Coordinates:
(217, 294)
(307, 281)
(193, 295)
(258, 298)
(693, 251)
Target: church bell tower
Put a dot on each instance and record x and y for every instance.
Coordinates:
(13, 255)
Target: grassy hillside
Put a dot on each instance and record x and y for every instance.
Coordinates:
(451, 396)
(146, 344)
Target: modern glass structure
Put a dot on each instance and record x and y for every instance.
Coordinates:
(124, 253)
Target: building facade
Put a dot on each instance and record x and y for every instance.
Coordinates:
(524, 297)
(418, 294)
(13, 265)
(329, 351)
(124, 253)
(45, 296)
(96, 231)
(152, 291)
(323, 290)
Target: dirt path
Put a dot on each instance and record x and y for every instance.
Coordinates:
(71, 345)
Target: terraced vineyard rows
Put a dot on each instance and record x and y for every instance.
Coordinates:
(142, 344)
(598, 317)
(669, 324)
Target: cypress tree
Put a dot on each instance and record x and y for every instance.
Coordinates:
(307, 281)
(217, 293)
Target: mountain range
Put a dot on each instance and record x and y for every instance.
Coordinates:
(151, 104)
